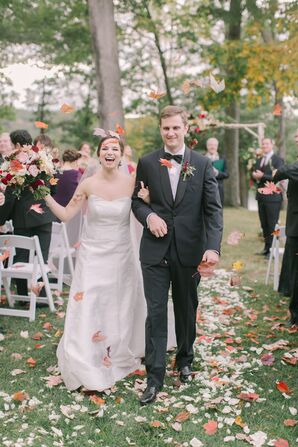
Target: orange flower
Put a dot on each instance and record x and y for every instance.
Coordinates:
(166, 163)
(15, 165)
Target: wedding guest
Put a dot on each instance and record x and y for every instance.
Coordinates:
(26, 222)
(42, 140)
(6, 146)
(182, 226)
(219, 165)
(103, 338)
(68, 177)
(290, 172)
(268, 205)
(127, 157)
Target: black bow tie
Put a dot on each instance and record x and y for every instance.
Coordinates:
(177, 158)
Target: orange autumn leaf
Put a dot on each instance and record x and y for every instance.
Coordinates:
(31, 362)
(277, 110)
(98, 336)
(154, 94)
(250, 397)
(67, 108)
(210, 427)
(41, 125)
(165, 162)
(37, 336)
(119, 129)
(20, 396)
(97, 400)
(47, 325)
(53, 181)
(183, 416)
(139, 372)
(38, 346)
(275, 232)
(156, 424)
(280, 442)
(186, 87)
(239, 421)
(283, 387)
(79, 296)
(290, 422)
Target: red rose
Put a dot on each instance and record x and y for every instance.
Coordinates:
(6, 179)
(35, 148)
(197, 130)
(37, 183)
(202, 115)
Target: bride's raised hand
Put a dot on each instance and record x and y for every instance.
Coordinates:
(144, 193)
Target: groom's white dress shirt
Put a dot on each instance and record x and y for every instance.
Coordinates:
(175, 170)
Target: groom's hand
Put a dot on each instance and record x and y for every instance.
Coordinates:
(157, 225)
(210, 256)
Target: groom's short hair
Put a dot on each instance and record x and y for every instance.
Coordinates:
(169, 111)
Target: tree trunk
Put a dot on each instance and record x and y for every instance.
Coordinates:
(243, 185)
(231, 139)
(109, 92)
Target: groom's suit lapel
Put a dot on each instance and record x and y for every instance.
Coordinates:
(182, 184)
(165, 181)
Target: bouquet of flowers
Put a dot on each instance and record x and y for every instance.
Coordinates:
(30, 168)
(202, 122)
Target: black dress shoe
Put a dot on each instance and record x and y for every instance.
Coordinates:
(149, 395)
(185, 374)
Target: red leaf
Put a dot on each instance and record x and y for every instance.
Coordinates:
(283, 387)
(210, 427)
(250, 397)
(41, 125)
(290, 422)
(31, 362)
(277, 110)
(268, 359)
(281, 443)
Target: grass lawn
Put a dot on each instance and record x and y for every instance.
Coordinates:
(232, 400)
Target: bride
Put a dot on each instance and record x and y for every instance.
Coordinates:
(103, 338)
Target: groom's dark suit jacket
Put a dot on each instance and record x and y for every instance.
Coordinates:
(290, 172)
(194, 218)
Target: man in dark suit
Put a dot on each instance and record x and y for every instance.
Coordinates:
(26, 222)
(268, 205)
(290, 172)
(182, 227)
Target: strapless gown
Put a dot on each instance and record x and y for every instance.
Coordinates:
(104, 331)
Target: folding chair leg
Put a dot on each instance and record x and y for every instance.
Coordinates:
(276, 271)
(269, 267)
(49, 293)
(6, 284)
(32, 307)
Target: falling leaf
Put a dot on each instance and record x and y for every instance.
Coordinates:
(20, 396)
(280, 442)
(154, 94)
(290, 422)
(277, 110)
(216, 86)
(238, 265)
(37, 208)
(98, 336)
(269, 189)
(283, 387)
(234, 237)
(210, 427)
(97, 400)
(165, 162)
(31, 362)
(67, 108)
(4, 255)
(79, 296)
(119, 129)
(41, 125)
(98, 132)
(186, 87)
(183, 416)
(36, 288)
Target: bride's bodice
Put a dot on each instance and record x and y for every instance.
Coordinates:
(107, 220)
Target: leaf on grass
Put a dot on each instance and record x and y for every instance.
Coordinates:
(183, 416)
(283, 387)
(280, 442)
(176, 426)
(238, 421)
(268, 359)
(20, 396)
(290, 359)
(234, 237)
(53, 381)
(237, 265)
(37, 208)
(156, 424)
(97, 400)
(210, 427)
(31, 362)
(290, 422)
(37, 336)
(67, 108)
(16, 372)
(98, 336)
(258, 439)
(16, 356)
(249, 397)
(48, 326)
(196, 443)
(41, 125)
(279, 344)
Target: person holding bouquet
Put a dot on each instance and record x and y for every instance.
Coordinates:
(20, 168)
(219, 165)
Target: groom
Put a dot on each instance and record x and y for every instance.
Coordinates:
(182, 227)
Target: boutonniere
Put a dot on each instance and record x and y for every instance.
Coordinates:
(165, 162)
(187, 170)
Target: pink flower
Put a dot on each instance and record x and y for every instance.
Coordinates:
(197, 130)
(33, 170)
(22, 157)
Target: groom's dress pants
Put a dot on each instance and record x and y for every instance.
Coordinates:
(157, 280)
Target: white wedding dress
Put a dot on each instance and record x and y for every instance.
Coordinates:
(104, 334)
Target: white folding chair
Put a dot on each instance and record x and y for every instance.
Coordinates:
(31, 271)
(276, 252)
(58, 253)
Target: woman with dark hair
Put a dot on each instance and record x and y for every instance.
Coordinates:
(68, 177)
(103, 338)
